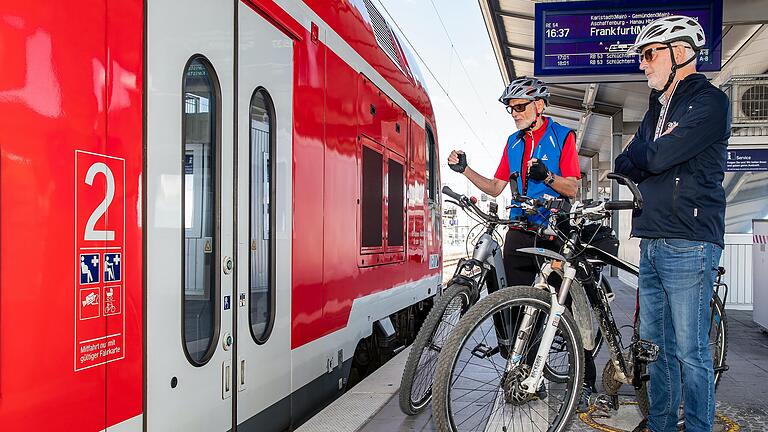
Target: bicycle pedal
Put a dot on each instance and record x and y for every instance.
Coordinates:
(646, 351)
(606, 403)
(483, 351)
(723, 368)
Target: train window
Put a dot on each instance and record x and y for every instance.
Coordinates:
(261, 272)
(373, 178)
(431, 166)
(200, 138)
(395, 205)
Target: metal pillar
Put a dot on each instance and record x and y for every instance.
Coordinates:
(594, 178)
(617, 130)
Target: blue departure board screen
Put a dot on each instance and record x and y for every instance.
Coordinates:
(592, 37)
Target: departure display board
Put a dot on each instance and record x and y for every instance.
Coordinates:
(592, 37)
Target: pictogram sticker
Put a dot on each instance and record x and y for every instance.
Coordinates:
(112, 299)
(112, 266)
(89, 304)
(89, 269)
(99, 256)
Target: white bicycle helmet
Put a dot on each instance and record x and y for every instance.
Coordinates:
(674, 28)
(670, 29)
(525, 88)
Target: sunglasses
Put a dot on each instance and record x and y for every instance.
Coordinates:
(519, 107)
(650, 54)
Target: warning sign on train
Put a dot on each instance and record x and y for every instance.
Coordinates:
(99, 256)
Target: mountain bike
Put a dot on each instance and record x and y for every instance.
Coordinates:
(486, 383)
(484, 270)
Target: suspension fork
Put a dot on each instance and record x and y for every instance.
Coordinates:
(528, 321)
(557, 308)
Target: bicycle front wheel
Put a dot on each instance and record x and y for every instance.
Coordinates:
(416, 384)
(477, 388)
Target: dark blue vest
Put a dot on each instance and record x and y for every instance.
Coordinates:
(548, 150)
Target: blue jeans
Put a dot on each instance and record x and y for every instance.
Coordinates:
(675, 284)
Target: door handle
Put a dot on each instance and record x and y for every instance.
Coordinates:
(241, 374)
(226, 377)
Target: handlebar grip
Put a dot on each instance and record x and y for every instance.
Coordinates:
(620, 205)
(622, 179)
(451, 193)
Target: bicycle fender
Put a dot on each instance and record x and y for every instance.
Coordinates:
(542, 252)
(582, 314)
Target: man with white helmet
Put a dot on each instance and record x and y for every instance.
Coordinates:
(544, 154)
(678, 158)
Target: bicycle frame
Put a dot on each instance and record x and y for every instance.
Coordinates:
(486, 257)
(557, 307)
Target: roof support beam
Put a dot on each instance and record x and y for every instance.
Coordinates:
(517, 15)
(501, 36)
(575, 104)
(520, 47)
(630, 128)
(588, 103)
(735, 185)
(617, 131)
(520, 59)
(594, 177)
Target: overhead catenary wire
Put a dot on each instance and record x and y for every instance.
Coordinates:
(458, 56)
(442, 87)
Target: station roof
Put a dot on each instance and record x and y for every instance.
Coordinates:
(510, 25)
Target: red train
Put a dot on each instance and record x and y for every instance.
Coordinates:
(209, 210)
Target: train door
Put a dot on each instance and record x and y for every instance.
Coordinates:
(263, 207)
(189, 215)
(434, 216)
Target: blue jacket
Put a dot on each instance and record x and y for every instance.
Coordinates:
(547, 150)
(681, 173)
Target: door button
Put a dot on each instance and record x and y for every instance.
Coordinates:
(228, 265)
(227, 341)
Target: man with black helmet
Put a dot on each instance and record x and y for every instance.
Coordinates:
(678, 158)
(544, 154)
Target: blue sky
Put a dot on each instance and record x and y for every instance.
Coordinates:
(466, 67)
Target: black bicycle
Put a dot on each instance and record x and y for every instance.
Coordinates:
(532, 380)
(485, 270)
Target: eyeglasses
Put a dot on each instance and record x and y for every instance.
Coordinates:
(649, 55)
(519, 107)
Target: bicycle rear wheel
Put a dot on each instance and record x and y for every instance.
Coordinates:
(416, 383)
(474, 388)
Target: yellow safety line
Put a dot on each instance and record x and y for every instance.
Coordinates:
(730, 425)
(586, 418)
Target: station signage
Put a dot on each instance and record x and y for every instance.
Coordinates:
(741, 160)
(592, 37)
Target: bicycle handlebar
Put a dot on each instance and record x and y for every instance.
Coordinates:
(448, 191)
(595, 210)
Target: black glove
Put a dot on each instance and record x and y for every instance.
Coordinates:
(538, 171)
(462, 165)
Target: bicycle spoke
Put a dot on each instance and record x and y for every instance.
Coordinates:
(476, 389)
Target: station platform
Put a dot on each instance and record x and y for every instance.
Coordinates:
(742, 396)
